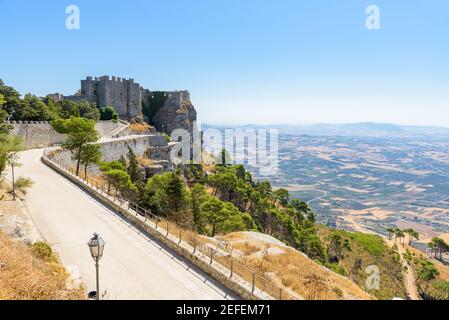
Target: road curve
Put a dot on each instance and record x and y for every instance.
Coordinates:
(134, 266)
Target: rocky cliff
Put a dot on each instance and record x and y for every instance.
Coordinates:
(168, 111)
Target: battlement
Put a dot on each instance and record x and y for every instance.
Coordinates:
(108, 78)
(26, 122)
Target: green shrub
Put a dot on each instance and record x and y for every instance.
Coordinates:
(108, 113)
(167, 137)
(337, 269)
(23, 184)
(42, 251)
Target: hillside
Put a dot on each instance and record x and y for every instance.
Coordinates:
(368, 250)
(291, 268)
(431, 274)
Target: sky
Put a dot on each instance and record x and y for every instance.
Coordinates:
(243, 61)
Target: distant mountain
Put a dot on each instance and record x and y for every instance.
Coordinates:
(362, 129)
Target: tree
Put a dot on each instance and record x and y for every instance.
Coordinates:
(120, 180)
(4, 128)
(133, 167)
(177, 194)
(79, 133)
(198, 196)
(412, 234)
(90, 154)
(112, 165)
(108, 113)
(282, 196)
(264, 187)
(223, 158)
(166, 194)
(442, 290)
(336, 248)
(123, 161)
(11, 99)
(315, 249)
(426, 272)
(88, 110)
(82, 108)
(68, 108)
(223, 216)
(391, 231)
(398, 233)
(437, 247)
(9, 146)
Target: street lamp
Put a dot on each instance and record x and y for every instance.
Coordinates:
(96, 247)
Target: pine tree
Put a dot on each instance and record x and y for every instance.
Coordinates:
(133, 167)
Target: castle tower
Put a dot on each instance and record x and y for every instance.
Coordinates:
(121, 94)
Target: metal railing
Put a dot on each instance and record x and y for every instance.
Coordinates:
(181, 236)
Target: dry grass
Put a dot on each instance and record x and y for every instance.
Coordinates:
(293, 270)
(145, 162)
(139, 127)
(23, 276)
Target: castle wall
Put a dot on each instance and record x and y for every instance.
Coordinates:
(36, 134)
(40, 134)
(122, 94)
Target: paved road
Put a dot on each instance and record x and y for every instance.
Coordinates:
(133, 266)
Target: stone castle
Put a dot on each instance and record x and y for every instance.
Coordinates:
(130, 100)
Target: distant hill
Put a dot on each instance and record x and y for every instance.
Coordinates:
(362, 129)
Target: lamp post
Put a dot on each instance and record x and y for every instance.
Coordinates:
(96, 247)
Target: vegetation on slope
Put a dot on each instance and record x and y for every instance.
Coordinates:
(32, 273)
(291, 269)
(431, 274)
(364, 250)
(227, 199)
(155, 102)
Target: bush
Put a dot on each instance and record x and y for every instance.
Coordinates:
(23, 184)
(42, 251)
(167, 137)
(338, 269)
(108, 113)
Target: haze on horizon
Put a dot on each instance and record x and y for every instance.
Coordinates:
(263, 62)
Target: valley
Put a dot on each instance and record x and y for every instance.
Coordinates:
(368, 183)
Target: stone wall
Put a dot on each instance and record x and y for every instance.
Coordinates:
(122, 94)
(115, 148)
(40, 134)
(153, 147)
(36, 134)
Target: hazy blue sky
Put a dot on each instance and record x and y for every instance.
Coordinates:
(244, 61)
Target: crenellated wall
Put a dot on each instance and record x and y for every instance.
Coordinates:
(40, 134)
(36, 134)
(124, 95)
